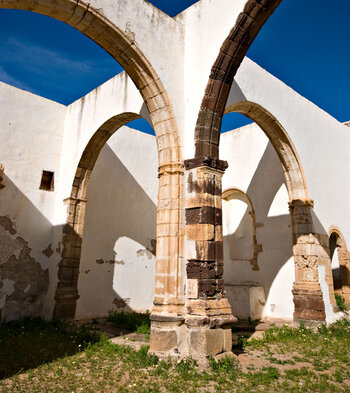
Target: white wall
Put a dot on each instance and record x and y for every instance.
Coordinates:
(30, 142)
(84, 117)
(255, 169)
(207, 23)
(117, 269)
(320, 141)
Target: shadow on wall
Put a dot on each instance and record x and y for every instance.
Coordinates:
(117, 268)
(118, 248)
(273, 232)
(26, 255)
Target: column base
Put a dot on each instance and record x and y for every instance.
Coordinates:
(65, 303)
(204, 332)
(308, 302)
(168, 335)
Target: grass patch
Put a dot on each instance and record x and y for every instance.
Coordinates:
(340, 302)
(132, 322)
(28, 343)
(293, 360)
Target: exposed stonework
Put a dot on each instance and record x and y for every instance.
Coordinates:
(23, 282)
(7, 224)
(308, 298)
(120, 303)
(191, 313)
(48, 251)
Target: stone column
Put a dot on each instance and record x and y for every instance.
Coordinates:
(209, 315)
(344, 262)
(167, 316)
(68, 271)
(307, 294)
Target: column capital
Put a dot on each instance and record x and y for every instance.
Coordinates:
(301, 203)
(206, 161)
(70, 200)
(170, 168)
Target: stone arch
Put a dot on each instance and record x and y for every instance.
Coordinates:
(277, 135)
(235, 193)
(66, 292)
(68, 270)
(232, 52)
(123, 48)
(307, 245)
(337, 244)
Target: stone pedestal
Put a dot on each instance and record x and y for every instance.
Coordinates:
(65, 303)
(307, 294)
(308, 301)
(66, 293)
(209, 316)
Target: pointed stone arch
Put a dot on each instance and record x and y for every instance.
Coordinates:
(278, 136)
(232, 52)
(337, 244)
(307, 245)
(124, 49)
(207, 305)
(66, 294)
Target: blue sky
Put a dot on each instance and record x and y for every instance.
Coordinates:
(305, 44)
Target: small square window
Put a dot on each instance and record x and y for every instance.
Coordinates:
(47, 181)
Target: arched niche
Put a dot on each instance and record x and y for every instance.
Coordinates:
(339, 269)
(239, 228)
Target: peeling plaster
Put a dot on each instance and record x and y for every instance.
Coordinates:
(48, 251)
(8, 286)
(58, 249)
(144, 252)
(121, 303)
(22, 279)
(111, 262)
(7, 224)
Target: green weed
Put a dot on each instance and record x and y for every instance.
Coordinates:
(133, 322)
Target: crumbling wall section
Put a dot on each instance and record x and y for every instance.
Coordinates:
(31, 131)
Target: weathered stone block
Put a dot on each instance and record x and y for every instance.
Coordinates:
(227, 340)
(206, 342)
(163, 340)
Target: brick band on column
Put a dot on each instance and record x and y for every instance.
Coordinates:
(206, 303)
(206, 219)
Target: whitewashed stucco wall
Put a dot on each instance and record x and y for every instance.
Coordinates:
(255, 169)
(31, 134)
(37, 134)
(320, 141)
(117, 269)
(205, 31)
(84, 117)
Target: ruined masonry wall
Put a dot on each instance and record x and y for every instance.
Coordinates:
(119, 237)
(30, 142)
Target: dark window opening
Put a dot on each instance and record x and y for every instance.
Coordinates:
(47, 181)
